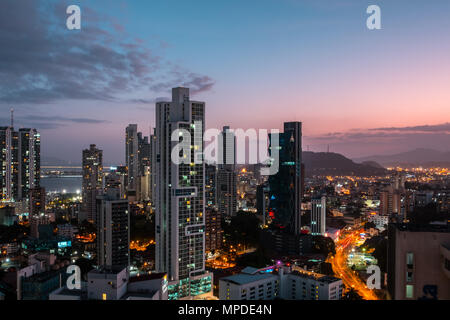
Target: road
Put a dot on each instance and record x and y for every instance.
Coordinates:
(341, 269)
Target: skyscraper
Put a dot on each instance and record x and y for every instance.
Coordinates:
(213, 229)
(180, 198)
(226, 192)
(226, 175)
(29, 169)
(210, 186)
(92, 180)
(19, 162)
(9, 162)
(318, 215)
(286, 186)
(131, 154)
(113, 232)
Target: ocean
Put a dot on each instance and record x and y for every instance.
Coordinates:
(71, 184)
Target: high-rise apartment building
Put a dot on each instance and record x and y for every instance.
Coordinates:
(213, 229)
(318, 215)
(37, 215)
(9, 163)
(19, 162)
(180, 196)
(29, 169)
(92, 180)
(226, 192)
(210, 186)
(37, 200)
(137, 157)
(131, 155)
(113, 231)
(226, 174)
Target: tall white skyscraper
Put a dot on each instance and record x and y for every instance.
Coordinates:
(180, 198)
(318, 215)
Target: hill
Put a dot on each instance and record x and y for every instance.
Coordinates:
(423, 157)
(323, 163)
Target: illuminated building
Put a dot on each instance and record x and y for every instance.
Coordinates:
(131, 155)
(138, 158)
(283, 283)
(116, 284)
(213, 229)
(285, 186)
(113, 232)
(37, 200)
(226, 175)
(211, 186)
(9, 162)
(180, 198)
(226, 192)
(7, 215)
(318, 215)
(29, 169)
(19, 162)
(92, 180)
(419, 262)
(262, 201)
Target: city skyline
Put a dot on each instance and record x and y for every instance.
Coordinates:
(362, 92)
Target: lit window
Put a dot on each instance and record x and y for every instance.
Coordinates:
(104, 296)
(409, 291)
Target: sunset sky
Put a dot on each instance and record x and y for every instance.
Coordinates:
(256, 64)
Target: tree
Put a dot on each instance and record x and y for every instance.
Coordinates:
(369, 225)
(244, 229)
(324, 245)
(351, 295)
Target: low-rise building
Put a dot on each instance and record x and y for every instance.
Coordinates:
(289, 283)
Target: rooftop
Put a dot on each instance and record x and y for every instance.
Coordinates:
(244, 278)
(422, 227)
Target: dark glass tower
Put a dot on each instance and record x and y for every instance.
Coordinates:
(285, 193)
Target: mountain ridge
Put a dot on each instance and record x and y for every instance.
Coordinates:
(419, 156)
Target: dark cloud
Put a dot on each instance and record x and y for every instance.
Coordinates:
(41, 61)
(49, 122)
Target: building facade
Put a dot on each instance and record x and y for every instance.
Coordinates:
(419, 262)
(284, 283)
(92, 180)
(113, 230)
(20, 162)
(180, 196)
(318, 215)
(286, 186)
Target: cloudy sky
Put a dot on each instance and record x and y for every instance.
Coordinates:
(255, 63)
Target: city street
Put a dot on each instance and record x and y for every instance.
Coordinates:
(341, 269)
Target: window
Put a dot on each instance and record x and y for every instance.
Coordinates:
(410, 260)
(409, 291)
(409, 276)
(104, 296)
